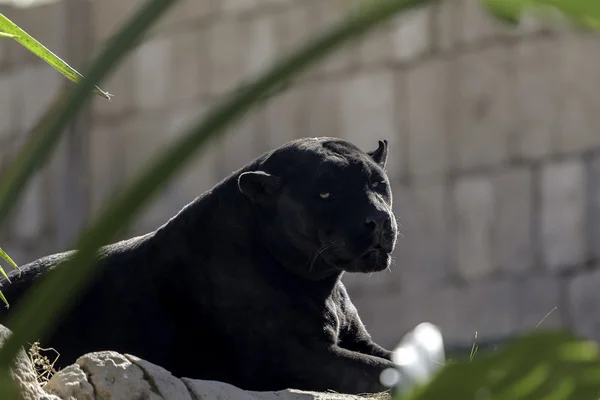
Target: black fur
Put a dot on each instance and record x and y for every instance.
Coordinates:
(243, 285)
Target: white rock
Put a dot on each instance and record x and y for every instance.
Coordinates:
(24, 375)
(108, 375)
(164, 382)
(70, 383)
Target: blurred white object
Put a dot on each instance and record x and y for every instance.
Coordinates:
(418, 356)
(26, 3)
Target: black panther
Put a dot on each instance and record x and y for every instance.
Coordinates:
(243, 284)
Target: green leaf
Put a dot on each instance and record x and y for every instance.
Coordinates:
(8, 387)
(44, 139)
(582, 13)
(44, 303)
(543, 365)
(8, 259)
(2, 297)
(68, 103)
(4, 274)
(10, 29)
(8, 35)
(46, 134)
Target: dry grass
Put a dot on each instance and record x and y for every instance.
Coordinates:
(44, 368)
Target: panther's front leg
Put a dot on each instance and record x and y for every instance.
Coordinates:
(338, 369)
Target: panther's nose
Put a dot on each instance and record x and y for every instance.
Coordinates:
(376, 220)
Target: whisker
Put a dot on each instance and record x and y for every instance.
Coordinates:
(318, 253)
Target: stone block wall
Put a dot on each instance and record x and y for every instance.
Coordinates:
(495, 150)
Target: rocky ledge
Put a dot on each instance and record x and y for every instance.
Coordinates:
(109, 375)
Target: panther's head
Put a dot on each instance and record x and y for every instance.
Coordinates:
(324, 206)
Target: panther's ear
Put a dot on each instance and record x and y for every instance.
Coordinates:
(380, 155)
(258, 185)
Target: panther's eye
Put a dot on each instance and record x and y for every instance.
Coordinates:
(376, 184)
(325, 195)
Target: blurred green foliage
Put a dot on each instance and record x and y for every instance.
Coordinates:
(538, 366)
(43, 304)
(550, 366)
(579, 13)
